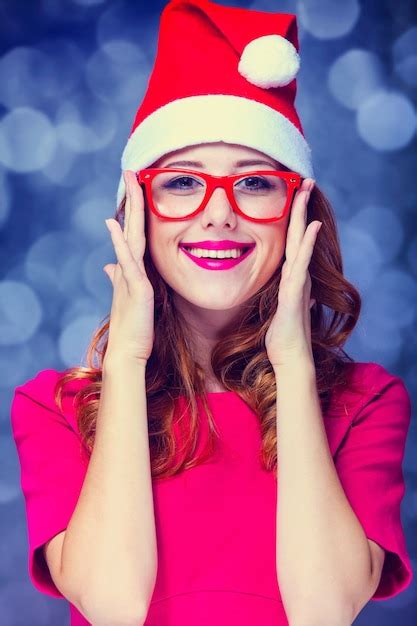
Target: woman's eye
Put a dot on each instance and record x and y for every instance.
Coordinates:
(186, 183)
(254, 183)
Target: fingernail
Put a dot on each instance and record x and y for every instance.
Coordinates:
(108, 224)
(319, 226)
(311, 185)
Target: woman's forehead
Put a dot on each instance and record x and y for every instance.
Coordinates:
(208, 152)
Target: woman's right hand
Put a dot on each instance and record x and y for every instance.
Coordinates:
(131, 330)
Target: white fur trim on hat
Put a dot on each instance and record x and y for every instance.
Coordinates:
(211, 118)
(269, 61)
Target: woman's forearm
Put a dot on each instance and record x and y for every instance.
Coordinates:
(110, 549)
(323, 557)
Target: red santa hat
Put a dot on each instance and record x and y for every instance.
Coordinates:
(221, 74)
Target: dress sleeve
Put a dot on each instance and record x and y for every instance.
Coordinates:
(369, 466)
(52, 470)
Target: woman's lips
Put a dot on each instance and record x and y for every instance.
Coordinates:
(217, 264)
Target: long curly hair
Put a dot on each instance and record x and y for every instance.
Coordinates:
(239, 360)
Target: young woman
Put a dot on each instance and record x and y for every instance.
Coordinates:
(224, 461)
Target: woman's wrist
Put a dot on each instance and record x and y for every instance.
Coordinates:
(116, 359)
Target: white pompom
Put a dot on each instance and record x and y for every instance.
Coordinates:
(269, 61)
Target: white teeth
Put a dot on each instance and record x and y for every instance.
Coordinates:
(215, 254)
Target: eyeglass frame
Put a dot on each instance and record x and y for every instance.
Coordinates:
(293, 180)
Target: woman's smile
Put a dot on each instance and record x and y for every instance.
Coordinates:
(217, 259)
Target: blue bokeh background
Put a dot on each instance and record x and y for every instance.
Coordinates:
(72, 74)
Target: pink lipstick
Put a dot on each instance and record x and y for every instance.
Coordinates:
(224, 244)
(217, 264)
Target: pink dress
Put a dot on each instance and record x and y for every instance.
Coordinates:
(216, 523)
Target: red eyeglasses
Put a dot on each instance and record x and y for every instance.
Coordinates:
(258, 196)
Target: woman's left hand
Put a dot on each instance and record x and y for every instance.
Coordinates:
(289, 334)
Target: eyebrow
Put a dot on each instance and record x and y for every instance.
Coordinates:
(241, 163)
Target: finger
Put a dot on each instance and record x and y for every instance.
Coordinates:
(127, 205)
(109, 271)
(125, 259)
(136, 234)
(307, 246)
(297, 224)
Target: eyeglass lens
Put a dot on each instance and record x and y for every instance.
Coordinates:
(259, 196)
